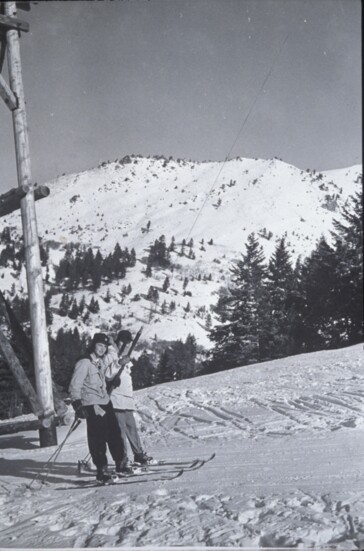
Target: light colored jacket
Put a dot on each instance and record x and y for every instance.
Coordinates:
(121, 396)
(88, 382)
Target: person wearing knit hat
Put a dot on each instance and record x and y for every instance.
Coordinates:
(91, 401)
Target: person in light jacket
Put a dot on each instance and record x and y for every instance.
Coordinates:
(122, 397)
(91, 401)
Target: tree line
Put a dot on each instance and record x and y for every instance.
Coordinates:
(81, 267)
(275, 309)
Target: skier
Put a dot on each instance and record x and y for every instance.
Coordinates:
(91, 401)
(122, 397)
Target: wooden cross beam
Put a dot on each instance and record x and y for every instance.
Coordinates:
(22, 346)
(18, 371)
(8, 23)
(10, 201)
(7, 95)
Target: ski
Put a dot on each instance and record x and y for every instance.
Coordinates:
(154, 466)
(129, 479)
(191, 462)
(146, 471)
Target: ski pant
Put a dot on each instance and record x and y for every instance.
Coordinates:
(104, 430)
(129, 431)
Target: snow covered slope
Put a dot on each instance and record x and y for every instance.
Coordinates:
(193, 199)
(288, 471)
(217, 205)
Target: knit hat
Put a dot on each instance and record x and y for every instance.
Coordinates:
(100, 338)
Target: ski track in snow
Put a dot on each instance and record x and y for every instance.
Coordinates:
(288, 471)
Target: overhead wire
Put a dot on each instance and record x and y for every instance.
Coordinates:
(242, 126)
(245, 120)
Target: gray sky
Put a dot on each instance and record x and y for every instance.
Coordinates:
(178, 77)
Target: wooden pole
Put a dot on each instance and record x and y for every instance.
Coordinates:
(18, 372)
(48, 436)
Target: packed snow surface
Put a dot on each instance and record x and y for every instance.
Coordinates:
(288, 472)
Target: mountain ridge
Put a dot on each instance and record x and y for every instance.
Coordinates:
(135, 200)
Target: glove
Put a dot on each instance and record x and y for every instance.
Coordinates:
(124, 360)
(114, 383)
(81, 412)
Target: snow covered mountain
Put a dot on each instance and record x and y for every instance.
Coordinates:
(135, 200)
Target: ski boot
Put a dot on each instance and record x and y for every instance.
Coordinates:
(123, 469)
(103, 476)
(143, 459)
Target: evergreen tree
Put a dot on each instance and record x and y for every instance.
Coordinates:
(318, 284)
(148, 270)
(240, 338)
(166, 284)
(47, 305)
(64, 305)
(87, 267)
(279, 314)
(74, 311)
(153, 294)
(96, 271)
(65, 350)
(132, 258)
(165, 369)
(159, 254)
(348, 291)
(94, 306)
(172, 246)
(108, 296)
(208, 323)
(143, 374)
(82, 305)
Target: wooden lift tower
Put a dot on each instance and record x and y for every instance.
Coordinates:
(24, 196)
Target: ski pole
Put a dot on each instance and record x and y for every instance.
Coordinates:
(48, 464)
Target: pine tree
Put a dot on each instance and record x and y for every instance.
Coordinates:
(64, 305)
(208, 323)
(87, 266)
(348, 291)
(108, 296)
(96, 271)
(74, 311)
(278, 319)
(47, 305)
(166, 284)
(132, 258)
(94, 306)
(148, 270)
(172, 246)
(165, 369)
(82, 305)
(318, 283)
(238, 338)
(144, 373)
